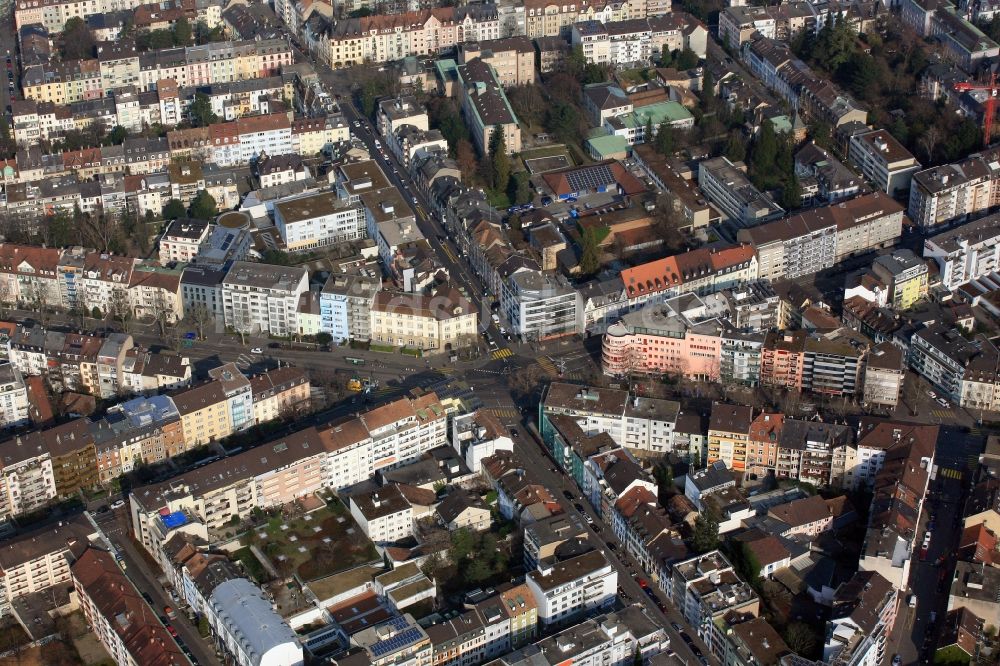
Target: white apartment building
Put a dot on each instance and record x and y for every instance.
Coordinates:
(183, 239)
(732, 192)
(540, 306)
(579, 584)
(883, 161)
(13, 397)
(383, 514)
(952, 193)
(402, 431)
(966, 253)
(271, 134)
(478, 435)
(865, 610)
(317, 220)
(260, 298)
(37, 560)
(27, 480)
(645, 426)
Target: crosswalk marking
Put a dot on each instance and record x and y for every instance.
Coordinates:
(547, 365)
(502, 353)
(503, 413)
(951, 473)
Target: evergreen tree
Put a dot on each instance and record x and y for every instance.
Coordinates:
(791, 194)
(736, 147)
(664, 142)
(499, 159)
(763, 155)
(173, 210)
(203, 207)
(590, 255)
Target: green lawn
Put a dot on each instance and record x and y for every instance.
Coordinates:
(951, 656)
(251, 565)
(315, 553)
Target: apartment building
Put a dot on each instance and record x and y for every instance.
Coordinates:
(905, 277)
(967, 252)
(182, 240)
(270, 475)
(40, 559)
(604, 639)
(476, 635)
(729, 434)
(14, 407)
(817, 239)
(317, 220)
(439, 322)
(884, 376)
(124, 624)
(478, 435)
(883, 161)
(393, 114)
(660, 340)
(704, 588)
(956, 192)
(738, 23)
(346, 302)
(383, 514)
(115, 68)
(831, 364)
(263, 298)
(865, 609)
(794, 246)
(539, 306)
(700, 271)
(386, 37)
(27, 478)
(728, 187)
(565, 589)
(941, 355)
(645, 426)
(512, 58)
(280, 393)
(791, 79)
(900, 485)
(485, 107)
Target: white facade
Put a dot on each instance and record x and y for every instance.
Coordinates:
(582, 583)
(317, 220)
(263, 298)
(966, 253)
(13, 397)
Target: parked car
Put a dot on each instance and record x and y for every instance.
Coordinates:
(149, 599)
(117, 504)
(568, 495)
(256, 350)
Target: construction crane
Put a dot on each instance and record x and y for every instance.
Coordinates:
(989, 107)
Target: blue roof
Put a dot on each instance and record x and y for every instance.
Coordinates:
(175, 519)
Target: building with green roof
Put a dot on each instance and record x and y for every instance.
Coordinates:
(632, 126)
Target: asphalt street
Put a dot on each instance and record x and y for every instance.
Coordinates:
(532, 452)
(115, 525)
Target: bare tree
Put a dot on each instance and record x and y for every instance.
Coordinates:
(8, 296)
(162, 311)
(38, 299)
(120, 308)
(929, 141)
(101, 230)
(200, 317)
(242, 323)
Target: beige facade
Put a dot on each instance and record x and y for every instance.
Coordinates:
(512, 59)
(431, 323)
(205, 414)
